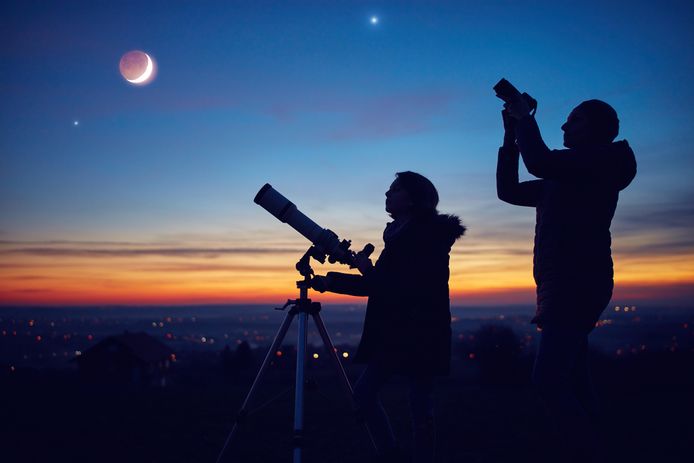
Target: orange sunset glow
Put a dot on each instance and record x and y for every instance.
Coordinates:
(482, 273)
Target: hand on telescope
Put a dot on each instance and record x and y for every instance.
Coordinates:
(319, 283)
(363, 263)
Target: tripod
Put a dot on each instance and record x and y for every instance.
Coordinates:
(303, 307)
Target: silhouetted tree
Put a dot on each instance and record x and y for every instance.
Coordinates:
(243, 356)
(497, 353)
(240, 359)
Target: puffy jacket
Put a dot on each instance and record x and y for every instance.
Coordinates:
(408, 321)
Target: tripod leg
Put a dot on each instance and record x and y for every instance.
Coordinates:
(332, 352)
(299, 389)
(279, 337)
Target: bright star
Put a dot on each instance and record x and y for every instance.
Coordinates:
(76, 123)
(374, 19)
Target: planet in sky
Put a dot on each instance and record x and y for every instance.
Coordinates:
(137, 67)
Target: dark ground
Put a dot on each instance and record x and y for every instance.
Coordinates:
(482, 415)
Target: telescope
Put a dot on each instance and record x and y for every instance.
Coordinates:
(325, 243)
(324, 239)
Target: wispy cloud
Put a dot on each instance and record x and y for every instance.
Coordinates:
(77, 251)
(195, 268)
(654, 229)
(365, 116)
(676, 214)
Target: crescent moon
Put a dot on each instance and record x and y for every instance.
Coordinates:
(145, 75)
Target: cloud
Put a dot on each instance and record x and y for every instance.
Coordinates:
(186, 268)
(677, 214)
(395, 115)
(78, 243)
(654, 248)
(365, 116)
(663, 228)
(143, 252)
(26, 277)
(29, 291)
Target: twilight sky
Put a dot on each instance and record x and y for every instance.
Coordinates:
(148, 198)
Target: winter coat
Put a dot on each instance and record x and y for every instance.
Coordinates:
(407, 324)
(575, 201)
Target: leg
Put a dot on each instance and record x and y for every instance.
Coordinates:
(587, 397)
(366, 392)
(422, 407)
(561, 355)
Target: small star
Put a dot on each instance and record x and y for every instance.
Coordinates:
(76, 123)
(374, 20)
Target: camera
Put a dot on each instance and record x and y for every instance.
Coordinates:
(507, 92)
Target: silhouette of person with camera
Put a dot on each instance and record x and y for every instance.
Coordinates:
(575, 199)
(407, 327)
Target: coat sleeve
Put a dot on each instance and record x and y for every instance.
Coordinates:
(508, 188)
(347, 283)
(551, 164)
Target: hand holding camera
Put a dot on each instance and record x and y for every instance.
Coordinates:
(516, 104)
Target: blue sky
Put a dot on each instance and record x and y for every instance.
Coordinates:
(313, 98)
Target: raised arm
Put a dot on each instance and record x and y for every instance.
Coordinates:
(508, 188)
(552, 164)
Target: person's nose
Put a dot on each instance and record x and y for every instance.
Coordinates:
(388, 193)
(563, 126)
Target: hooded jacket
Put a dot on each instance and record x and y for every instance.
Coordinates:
(407, 325)
(575, 201)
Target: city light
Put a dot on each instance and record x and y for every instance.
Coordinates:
(315, 355)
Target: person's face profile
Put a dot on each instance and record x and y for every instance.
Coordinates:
(576, 129)
(398, 201)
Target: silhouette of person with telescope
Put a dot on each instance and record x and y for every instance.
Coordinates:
(407, 327)
(575, 199)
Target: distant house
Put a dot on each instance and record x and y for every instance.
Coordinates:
(129, 358)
